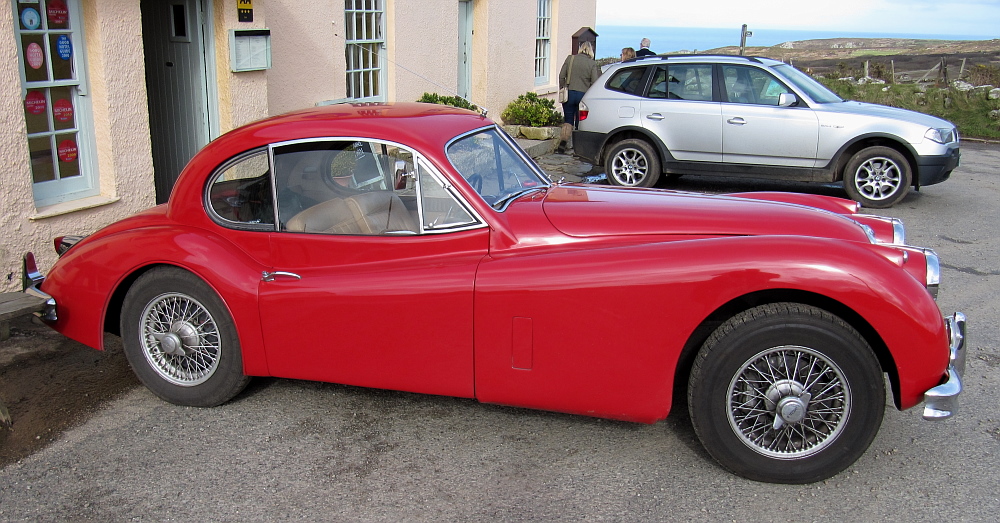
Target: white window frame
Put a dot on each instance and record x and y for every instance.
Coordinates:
(543, 42)
(85, 184)
(364, 50)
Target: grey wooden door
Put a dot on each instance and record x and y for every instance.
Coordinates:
(174, 43)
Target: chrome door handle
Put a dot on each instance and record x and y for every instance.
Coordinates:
(269, 276)
(737, 121)
(655, 116)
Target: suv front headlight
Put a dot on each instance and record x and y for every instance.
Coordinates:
(940, 135)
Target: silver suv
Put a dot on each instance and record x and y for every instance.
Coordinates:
(755, 117)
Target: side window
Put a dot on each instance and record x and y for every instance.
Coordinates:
(682, 82)
(441, 210)
(241, 191)
(627, 80)
(749, 85)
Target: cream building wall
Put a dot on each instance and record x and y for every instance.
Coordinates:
(308, 63)
(116, 90)
(117, 93)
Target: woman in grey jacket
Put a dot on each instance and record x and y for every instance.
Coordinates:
(578, 73)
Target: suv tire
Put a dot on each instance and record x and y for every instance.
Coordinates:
(632, 163)
(877, 177)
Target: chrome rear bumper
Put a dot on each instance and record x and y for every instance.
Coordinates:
(941, 402)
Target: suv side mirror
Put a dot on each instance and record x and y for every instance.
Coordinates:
(787, 99)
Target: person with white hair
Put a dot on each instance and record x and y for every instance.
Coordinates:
(578, 73)
(644, 49)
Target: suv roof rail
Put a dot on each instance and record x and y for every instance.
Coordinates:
(710, 55)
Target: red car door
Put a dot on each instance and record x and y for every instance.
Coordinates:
(368, 288)
(373, 311)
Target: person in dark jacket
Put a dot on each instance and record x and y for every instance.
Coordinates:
(644, 49)
(578, 73)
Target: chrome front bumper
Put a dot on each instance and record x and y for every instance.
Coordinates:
(941, 402)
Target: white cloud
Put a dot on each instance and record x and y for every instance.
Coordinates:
(964, 17)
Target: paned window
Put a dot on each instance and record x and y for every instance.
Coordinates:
(365, 41)
(55, 111)
(543, 38)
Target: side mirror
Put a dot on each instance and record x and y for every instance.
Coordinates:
(787, 100)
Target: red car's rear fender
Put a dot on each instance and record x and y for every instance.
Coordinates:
(90, 281)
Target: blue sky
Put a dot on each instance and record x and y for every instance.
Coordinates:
(963, 17)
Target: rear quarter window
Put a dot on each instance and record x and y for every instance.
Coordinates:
(628, 80)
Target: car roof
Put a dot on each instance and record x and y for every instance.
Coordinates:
(426, 127)
(395, 121)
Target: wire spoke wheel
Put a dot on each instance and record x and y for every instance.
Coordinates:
(786, 392)
(180, 339)
(788, 402)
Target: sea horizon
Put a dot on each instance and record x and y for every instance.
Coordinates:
(612, 38)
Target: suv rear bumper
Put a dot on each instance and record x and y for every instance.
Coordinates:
(587, 145)
(936, 169)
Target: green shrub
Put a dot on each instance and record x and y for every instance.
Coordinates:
(454, 101)
(531, 110)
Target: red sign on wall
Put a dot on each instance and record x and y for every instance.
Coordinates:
(62, 110)
(57, 11)
(67, 151)
(34, 103)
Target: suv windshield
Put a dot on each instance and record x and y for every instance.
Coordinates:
(493, 167)
(815, 90)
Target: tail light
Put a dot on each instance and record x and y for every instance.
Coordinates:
(63, 243)
(584, 111)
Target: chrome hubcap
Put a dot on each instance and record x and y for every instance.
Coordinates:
(878, 178)
(788, 402)
(180, 339)
(629, 167)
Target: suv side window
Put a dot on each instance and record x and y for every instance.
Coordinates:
(750, 85)
(682, 82)
(627, 80)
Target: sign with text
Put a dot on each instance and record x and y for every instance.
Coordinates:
(244, 10)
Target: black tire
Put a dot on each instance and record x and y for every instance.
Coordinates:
(877, 177)
(180, 339)
(822, 381)
(632, 163)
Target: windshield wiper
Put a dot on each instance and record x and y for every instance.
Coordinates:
(516, 194)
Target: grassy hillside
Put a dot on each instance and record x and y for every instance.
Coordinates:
(968, 110)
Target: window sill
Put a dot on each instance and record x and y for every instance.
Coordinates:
(542, 90)
(59, 209)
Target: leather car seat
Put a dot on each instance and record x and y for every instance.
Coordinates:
(380, 211)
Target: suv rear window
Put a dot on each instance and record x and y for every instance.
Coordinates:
(627, 80)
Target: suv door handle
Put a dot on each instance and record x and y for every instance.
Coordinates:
(737, 121)
(655, 116)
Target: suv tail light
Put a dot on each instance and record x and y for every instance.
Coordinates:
(584, 111)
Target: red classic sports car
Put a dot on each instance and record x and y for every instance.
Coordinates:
(415, 247)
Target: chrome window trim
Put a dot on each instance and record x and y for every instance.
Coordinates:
(421, 160)
(210, 181)
(418, 159)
